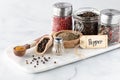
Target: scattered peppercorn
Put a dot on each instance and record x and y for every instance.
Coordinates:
(33, 56)
(48, 57)
(38, 57)
(34, 66)
(54, 62)
(37, 61)
(30, 62)
(33, 60)
(43, 62)
(45, 59)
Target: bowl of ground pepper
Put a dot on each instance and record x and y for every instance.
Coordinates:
(70, 38)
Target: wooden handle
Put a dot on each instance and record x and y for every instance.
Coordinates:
(33, 43)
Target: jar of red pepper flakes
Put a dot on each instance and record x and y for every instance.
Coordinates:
(109, 25)
(62, 16)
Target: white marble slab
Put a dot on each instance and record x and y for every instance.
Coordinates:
(70, 56)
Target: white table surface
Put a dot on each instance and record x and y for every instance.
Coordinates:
(22, 20)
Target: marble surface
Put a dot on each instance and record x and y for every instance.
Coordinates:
(22, 20)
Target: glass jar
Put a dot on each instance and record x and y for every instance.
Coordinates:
(86, 20)
(58, 47)
(62, 19)
(109, 24)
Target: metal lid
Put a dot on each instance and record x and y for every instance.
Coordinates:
(62, 9)
(58, 40)
(110, 16)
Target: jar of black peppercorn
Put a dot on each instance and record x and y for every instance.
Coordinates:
(62, 16)
(109, 25)
(86, 20)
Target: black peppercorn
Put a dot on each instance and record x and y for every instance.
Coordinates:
(34, 66)
(45, 59)
(33, 56)
(54, 62)
(38, 57)
(30, 62)
(43, 62)
(48, 57)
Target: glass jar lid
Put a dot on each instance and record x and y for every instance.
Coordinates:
(62, 9)
(110, 16)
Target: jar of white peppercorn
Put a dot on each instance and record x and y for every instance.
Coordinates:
(109, 25)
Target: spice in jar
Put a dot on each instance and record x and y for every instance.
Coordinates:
(86, 21)
(109, 24)
(58, 47)
(62, 19)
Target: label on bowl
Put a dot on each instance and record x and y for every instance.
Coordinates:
(94, 41)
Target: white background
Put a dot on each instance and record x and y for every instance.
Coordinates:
(22, 20)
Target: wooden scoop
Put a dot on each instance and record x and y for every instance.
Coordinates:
(20, 50)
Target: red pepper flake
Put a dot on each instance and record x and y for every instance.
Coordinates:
(62, 23)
